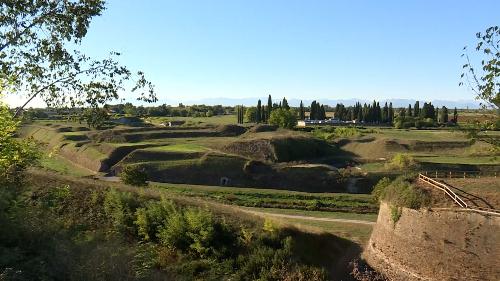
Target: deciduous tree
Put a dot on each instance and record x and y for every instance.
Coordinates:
(38, 56)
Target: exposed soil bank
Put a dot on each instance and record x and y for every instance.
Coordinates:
(435, 244)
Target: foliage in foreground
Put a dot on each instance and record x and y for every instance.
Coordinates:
(85, 233)
(15, 155)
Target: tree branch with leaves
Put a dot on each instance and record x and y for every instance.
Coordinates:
(37, 61)
(484, 82)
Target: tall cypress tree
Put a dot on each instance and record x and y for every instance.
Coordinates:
(258, 113)
(312, 114)
(385, 113)
(284, 104)
(416, 109)
(391, 113)
(443, 116)
(455, 115)
(269, 106)
(302, 112)
(409, 112)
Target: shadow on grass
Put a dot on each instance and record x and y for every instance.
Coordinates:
(326, 250)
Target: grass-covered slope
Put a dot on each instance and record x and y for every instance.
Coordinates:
(68, 229)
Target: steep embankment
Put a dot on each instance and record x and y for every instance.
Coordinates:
(280, 149)
(74, 145)
(435, 244)
(379, 147)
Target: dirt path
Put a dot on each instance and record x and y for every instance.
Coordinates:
(264, 214)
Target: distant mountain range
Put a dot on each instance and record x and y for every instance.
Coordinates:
(462, 104)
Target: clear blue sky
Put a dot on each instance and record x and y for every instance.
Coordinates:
(298, 49)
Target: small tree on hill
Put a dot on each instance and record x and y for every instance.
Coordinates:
(134, 175)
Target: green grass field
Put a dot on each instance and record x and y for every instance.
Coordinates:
(472, 160)
(355, 232)
(318, 214)
(421, 135)
(60, 164)
(214, 120)
(272, 198)
(186, 147)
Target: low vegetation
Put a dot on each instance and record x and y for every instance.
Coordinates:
(402, 161)
(84, 232)
(402, 192)
(134, 175)
(330, 132)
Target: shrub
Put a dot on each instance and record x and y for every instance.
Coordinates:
(380, 187)
(330, 132)
(118, 207)
(346, 132)
(272, 260)
(403, 193)
(419, 124)
(134, 175)
(402, 161)
(150, 218)
(197, 232)
(173, 233)
(269, 226)
(396, 213)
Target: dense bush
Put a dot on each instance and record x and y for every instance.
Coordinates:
(402, 161)
(283, 118)
(134, 175)
(151, 217)
(330, 132)
(402, 192)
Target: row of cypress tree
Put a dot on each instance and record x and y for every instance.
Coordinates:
(429, 111)
(371, 113)
(368, 113)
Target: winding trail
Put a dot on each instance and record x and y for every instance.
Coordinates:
(266, 214)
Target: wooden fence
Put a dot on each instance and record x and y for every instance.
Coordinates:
(450, 193)
(447, 190)
(459, 174)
